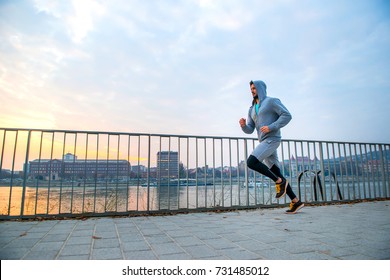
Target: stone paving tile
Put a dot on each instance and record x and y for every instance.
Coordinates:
(330, 249)
(342, 234)
(22, 242)
(135, 246)
(130, 237)
(166, 225)
(5, 237)
(5, 241)
(105, 234)
(357, 257)
(294, 248)
(188, 241)
(372, 252)
(150, 231)
(73, 250)
(106, 243)
(374, 244)
(338, 242)
(14, 230)
(200, 251)
(106, 254)
(312, 256)
(253, 245)
(221, 243)
(213, 258)
(78, 240)
(31, 235)
(41, 255)
(307, 234)
(12, 234)
(276, 254)
(239, 254)
(375, 235)
(140, 255)
(43, 246)
(13, 253)
(82, 232)
(167, 248)
(321, 232)
(158, 239)
(147, 226)
(179, 256)
(82, 226)
(235, 237)
(205, 235)
(105, 229)
(77, 257)
(55, 237)
(61, 228)
(127, 229)
(169, 228)
(177, 233)
(39, 230)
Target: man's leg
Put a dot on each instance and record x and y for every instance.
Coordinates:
(267, 150)
(295, 204)
(254, 164)
(276, 170)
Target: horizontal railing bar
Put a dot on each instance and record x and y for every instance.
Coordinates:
(184, 136)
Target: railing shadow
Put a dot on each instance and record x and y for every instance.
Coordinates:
(317, 184)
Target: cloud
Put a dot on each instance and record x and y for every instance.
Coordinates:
(79, 17)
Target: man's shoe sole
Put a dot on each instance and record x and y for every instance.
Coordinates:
(299, 208)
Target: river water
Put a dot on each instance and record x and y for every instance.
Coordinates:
(122, 198)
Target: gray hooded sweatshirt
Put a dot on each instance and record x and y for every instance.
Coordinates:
(272, 113)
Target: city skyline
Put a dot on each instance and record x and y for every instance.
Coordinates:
(169, 166)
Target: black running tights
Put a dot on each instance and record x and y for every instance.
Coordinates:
(273, 173)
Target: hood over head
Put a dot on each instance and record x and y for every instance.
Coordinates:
(261, 88)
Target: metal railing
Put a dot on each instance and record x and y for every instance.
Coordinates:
(62, 173)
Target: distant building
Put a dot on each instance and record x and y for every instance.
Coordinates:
(5, 173)
(300, 164)
(69, 157)
(139, 169)
(372, 166)
(167, 164)
(71, 167)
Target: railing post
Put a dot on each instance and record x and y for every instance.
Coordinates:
(2, 153)
(238, 172)
(148, 175)
(383, 171)
(12, 173)
(246, 171)
(25, 171)
(322, 172)
(387, 171)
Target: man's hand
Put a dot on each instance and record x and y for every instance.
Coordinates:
(242, 122)
(265, 129)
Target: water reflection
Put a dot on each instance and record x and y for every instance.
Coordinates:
(120, 198)
(92, 198)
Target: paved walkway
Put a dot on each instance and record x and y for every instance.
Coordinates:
(347, 231)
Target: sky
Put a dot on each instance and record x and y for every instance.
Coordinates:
(183, 67)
